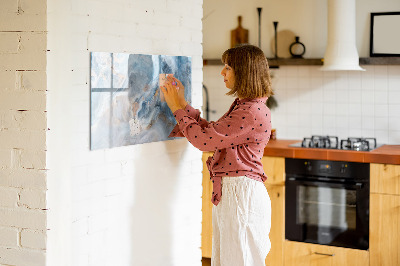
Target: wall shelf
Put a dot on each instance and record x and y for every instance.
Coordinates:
(274, 63)
(380, 61)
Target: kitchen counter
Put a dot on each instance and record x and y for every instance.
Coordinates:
(389, 154)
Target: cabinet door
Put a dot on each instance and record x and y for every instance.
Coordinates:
(304, 254)
(206, 226)
(384, 230)
(385, 178)
(277, 233)
(274, 168)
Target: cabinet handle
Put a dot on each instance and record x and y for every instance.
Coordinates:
(324, 254)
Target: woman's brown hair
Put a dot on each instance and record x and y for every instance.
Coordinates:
(250, 66)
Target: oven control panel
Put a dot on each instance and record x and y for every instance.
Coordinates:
(325, 167)
(338, 169)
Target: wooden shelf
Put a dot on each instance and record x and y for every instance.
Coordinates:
(274, 63)
(380, 61)
(212, 62)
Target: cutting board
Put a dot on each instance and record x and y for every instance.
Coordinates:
(239, 35)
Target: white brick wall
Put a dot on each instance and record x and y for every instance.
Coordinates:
(8, 197)
(9, 237)
(23, 218)
(24, 256)
(33, 239)
(23, 132)
(133, 205)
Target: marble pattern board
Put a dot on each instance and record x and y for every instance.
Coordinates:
(126, 103)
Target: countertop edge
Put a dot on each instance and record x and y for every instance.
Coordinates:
(386, 154)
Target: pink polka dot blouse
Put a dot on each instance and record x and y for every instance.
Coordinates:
(238, 139)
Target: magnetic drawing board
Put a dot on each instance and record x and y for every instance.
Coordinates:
(126, 107)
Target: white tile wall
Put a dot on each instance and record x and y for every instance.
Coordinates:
(312, 102)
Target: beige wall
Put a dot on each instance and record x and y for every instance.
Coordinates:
(306, 18)
(23, 126)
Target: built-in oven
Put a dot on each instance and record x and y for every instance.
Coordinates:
(327, 202)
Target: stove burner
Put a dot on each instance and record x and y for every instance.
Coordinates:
(358, 144)
(328, 142)
(332, 142)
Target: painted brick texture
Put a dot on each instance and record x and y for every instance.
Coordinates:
(23, 126)
(92, 199)
(133, 205)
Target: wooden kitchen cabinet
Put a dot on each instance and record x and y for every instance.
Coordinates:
(305, 254)
(385, 215)
(277, 233)
(206, 225)
(384, 236)
(385, 178)
(274, 168)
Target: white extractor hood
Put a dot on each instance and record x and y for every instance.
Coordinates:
(341, 51)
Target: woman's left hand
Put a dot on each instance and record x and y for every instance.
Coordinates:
(171, 96)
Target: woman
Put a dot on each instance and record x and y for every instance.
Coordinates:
(242, 208)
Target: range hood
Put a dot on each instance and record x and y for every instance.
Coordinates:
(341, 51)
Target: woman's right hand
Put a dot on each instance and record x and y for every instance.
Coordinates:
(181, 90)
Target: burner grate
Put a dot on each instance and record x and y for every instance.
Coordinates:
(358, 144)
(327, 142)
(332, 142)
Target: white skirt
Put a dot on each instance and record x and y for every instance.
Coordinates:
(241, 223)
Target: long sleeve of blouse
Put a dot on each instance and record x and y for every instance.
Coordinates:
(227, 132)
(238, 139)
(193, 113)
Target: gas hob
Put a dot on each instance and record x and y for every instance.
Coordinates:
(332, 142)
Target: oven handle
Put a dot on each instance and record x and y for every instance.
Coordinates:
(324, 254)
(357, 185)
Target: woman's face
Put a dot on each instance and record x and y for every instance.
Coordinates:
(229, 76)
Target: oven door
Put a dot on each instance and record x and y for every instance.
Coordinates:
(327, 213)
